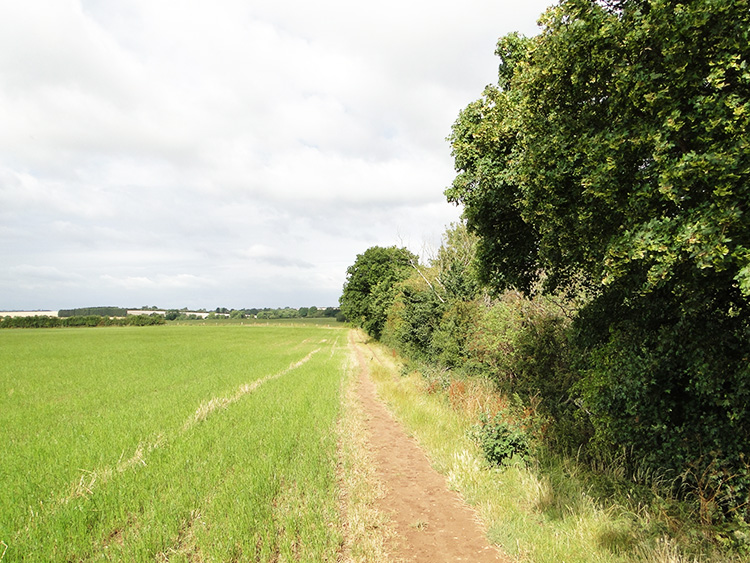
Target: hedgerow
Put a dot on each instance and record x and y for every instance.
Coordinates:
(43, 321)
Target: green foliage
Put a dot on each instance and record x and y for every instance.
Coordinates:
(449, 345)
(432, 311)
(674, 391)
(524, 346)
(370, 286)
(136, 320)
(613, 155)
(542, 363)
(500, 439)
(455, 266)
(42, 321)
(314, 312)
(614, 146)
(284, 313)
(95, 311)
(638, 169)
(482, 140)
(413, 317)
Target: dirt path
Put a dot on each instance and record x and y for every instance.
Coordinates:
(431, 523)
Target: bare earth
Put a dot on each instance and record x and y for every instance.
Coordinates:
(431, 523)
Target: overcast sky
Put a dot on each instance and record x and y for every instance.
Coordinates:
(228, 153)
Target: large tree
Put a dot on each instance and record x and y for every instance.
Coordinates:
(616, 144)
(614, 154)
(370, 286)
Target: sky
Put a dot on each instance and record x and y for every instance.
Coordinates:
(228, 153)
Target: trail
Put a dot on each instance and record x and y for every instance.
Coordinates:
(431, 523)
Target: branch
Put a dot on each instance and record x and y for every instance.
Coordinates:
(432, 287)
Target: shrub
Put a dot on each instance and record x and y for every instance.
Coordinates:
(412, 318)
(674, 388)
(450, 339)
(500, 439)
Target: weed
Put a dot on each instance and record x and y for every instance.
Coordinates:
(501, 440)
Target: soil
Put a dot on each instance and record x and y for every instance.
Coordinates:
(431, 523)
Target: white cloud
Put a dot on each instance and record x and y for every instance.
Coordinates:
(229, 153)
(158, 282)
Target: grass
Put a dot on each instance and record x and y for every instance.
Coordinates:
(543, 511)
(170, 443)
(366, 528)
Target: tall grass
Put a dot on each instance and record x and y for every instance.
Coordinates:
(170, 443)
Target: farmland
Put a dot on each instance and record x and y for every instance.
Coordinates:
(170, 443)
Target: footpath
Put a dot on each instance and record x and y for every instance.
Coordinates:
(428, 522)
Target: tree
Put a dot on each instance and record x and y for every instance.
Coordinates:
(455, 263)
(428, 313)
(483, 140)
(615, 145)
(614, 154)
(370, 286)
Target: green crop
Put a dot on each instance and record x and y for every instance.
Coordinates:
(178, 443)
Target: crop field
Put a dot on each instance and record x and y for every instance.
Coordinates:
(176, 443)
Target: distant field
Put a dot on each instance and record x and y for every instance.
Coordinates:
(170, 443)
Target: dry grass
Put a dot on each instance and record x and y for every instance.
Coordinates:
(366, 529)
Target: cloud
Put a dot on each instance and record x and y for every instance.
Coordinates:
(158, 282)
(35, 274)
(260, 253)
(228, 150)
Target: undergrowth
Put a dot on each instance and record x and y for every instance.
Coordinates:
(604, 508)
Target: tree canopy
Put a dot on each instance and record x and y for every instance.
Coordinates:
(370, 284)
(616, 145)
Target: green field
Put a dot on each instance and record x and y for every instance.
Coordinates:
(170, 443)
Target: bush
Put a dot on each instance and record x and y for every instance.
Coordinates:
(450, 340)
(95, 311)
(671, 383)
(412, 318)
(500, 439)
(524, 345)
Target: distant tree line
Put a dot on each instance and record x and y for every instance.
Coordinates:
(95, 311)
(185, 314)
(42, 321)
(265, 313)
(290, 313)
